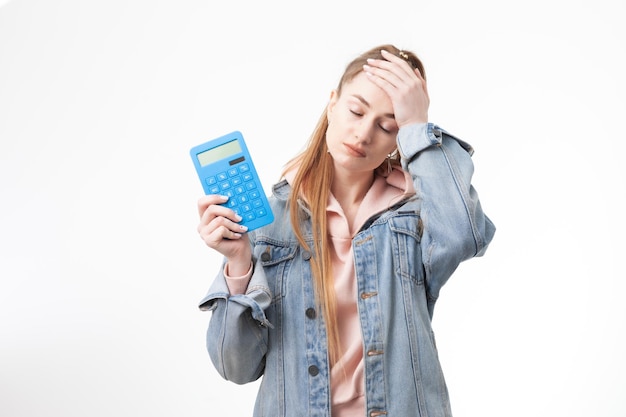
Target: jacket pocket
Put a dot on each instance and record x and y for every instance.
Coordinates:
(276, 258)
(406, 228)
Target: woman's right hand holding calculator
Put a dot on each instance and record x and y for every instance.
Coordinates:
(220, 230)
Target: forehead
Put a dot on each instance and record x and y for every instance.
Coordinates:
(362, 86)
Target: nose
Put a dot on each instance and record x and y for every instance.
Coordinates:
(364, 131)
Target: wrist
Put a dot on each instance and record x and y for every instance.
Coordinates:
(238, 269)
(413, 121)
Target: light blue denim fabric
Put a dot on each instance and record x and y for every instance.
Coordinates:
(402, 257)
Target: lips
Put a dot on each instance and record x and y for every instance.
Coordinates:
(355, 151)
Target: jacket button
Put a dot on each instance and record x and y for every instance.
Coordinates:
(313, 370)
(265, 256)
(366, 295)
(306, 255)
(310, 313)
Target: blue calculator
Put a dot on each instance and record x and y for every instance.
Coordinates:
(225, 167)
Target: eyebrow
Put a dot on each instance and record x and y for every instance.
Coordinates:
(365, 103)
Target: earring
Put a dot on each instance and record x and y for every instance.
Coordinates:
(392, 155)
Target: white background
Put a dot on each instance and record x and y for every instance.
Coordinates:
(101, 267)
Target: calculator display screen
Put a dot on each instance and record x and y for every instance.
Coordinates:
(219, 152)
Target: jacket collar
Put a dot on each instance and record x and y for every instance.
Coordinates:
(281, 190)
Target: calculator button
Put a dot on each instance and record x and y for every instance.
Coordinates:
(249, 216)
(239, 189)
(235, 181)
(228, 193)
(251, 185)
(257, 203)
(247, 177)
(211, 181)
(214, 190)
(244, 168)
(261, 212)
(246, 207)
(254, 194)
(232, 172)
(222, 176)
(224, 185)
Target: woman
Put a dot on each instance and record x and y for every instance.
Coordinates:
(332, 303)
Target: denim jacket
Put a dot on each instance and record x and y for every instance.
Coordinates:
(403, 256)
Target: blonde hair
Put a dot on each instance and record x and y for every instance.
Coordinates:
(311, 186)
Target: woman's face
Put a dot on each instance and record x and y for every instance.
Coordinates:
(361, 126)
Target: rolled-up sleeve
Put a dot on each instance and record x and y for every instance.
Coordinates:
(455, 226)
(238, 329)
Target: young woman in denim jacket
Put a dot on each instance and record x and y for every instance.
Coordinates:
(332, 303)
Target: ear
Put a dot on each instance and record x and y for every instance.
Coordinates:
(331, 103)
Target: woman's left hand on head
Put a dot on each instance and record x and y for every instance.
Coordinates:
(404, 85)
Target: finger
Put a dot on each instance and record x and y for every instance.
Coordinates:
(209, 200)
(392, 75)
(392, 61)
(232, 234)
(220, 228)
(422, 81)
(212, 206)
(230, 224)
(219, 215)
(387, 78)
(395, 79)
(419, 76)
(219, 237)
(424, 84)
(221, 233)
(394, 86)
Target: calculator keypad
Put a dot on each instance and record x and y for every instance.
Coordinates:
(238, 184)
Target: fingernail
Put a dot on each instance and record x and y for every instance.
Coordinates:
(243, 228)
(238, 217)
